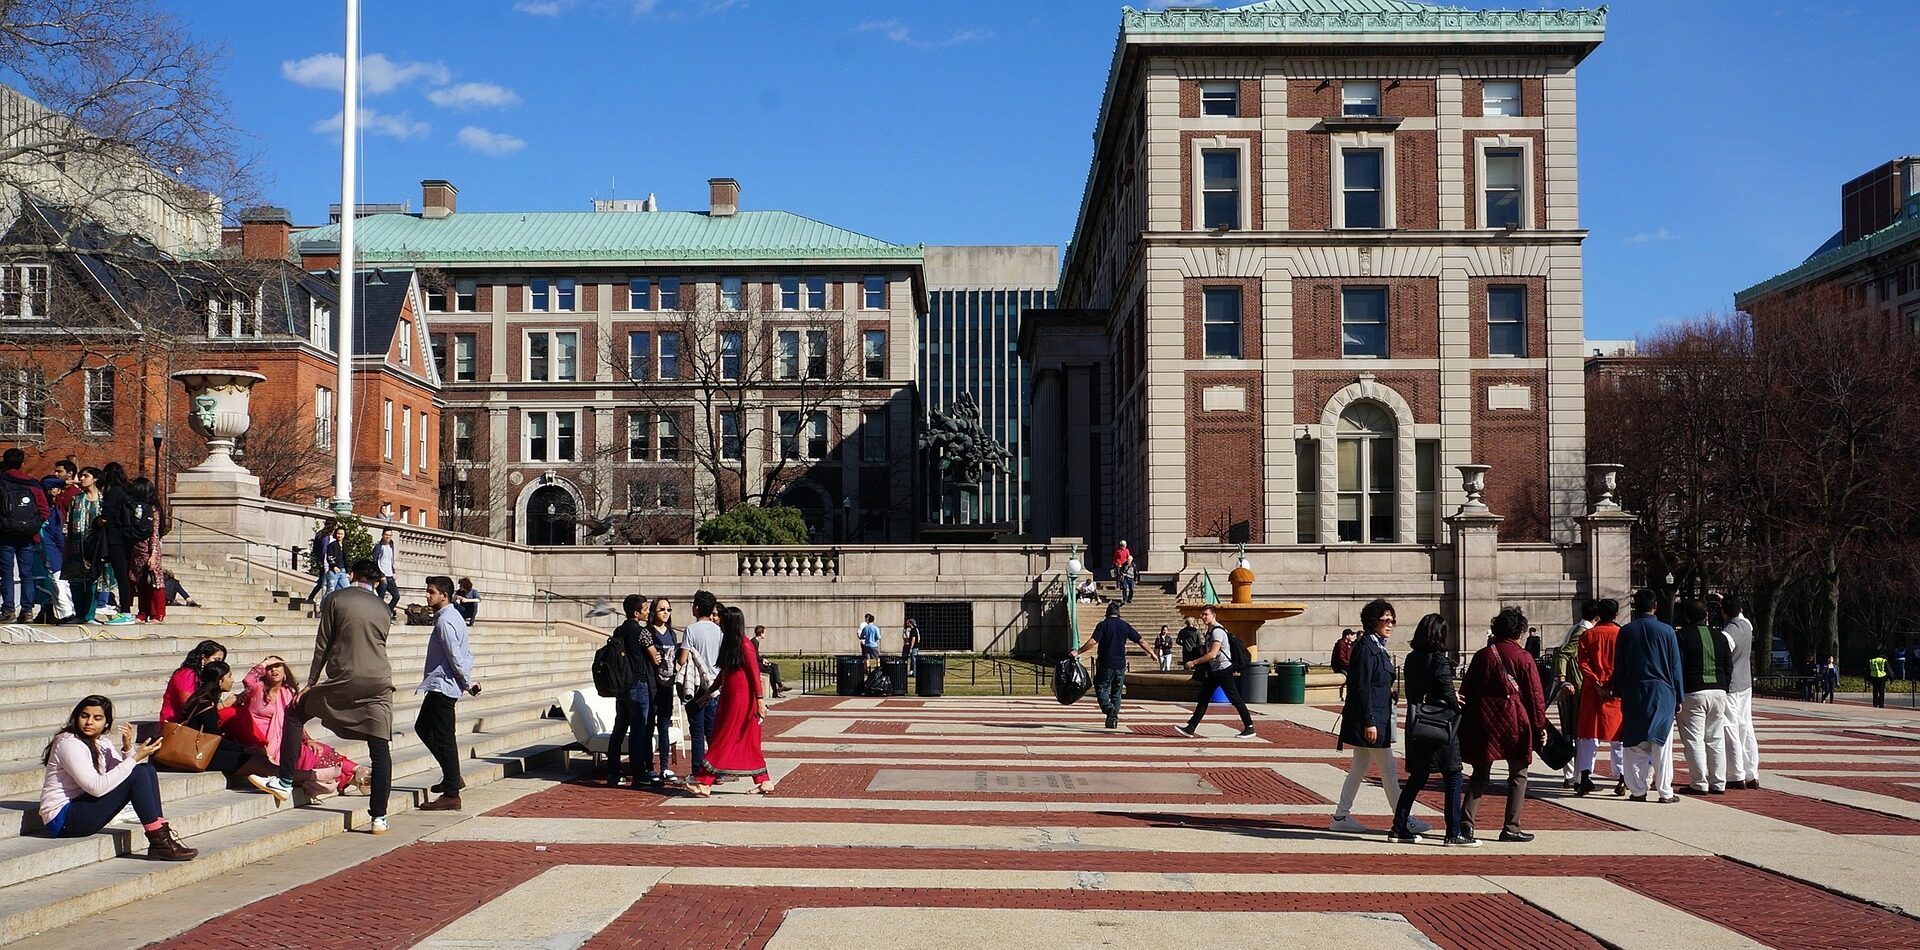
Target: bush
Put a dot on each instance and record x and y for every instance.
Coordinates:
(752, 524)
(359, 540)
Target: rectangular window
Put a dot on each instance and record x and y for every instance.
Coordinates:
(563, 435)
(669, 438)
(639, 294)
(463, 497)
(1426, 496)
(730, 447)
(639, 495)
(538, 358)
(386, 430)
(563, 294)
(463, 438)
(464, 296)
(730, 343)
(1220, 322)
(873, 436)
(553, 356)
(789, 355)
(406, 344)
(322, 325)
(669, 293)
(406, 440)
(322, 417)
(1505, 193)
(100, 400)
(437, 299)
(1360, 97)
(23, 403)
(1366, 501)
(1306, 492)
(1220, 188)
(24, 293)
(669, 495)
(1506, 321)
(1363, 321)
(639, 356)
(816, 354)
(669, 356)
(816, 293)
(1220, 97)
(540, 294)
(438, 342)
(639, 437)
(536, 437)
(874, 293)
(789, 435)
(465, 358)
(567, 357)
(1361, 188)
(873, 353)
(1500, 97)
(789, 293)
(730, 293)
(229, 319)
(423, 442)
(816, 435)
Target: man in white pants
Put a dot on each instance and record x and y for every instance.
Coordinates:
(1646, 677)
(1743, 747)
(1706, 666)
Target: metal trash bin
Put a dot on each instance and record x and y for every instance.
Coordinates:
(896, 669)
(1290, 683)
(848, 672)
(1253, 681)
(930, 677)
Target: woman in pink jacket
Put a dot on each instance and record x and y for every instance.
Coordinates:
(186, 679)
(270, 688)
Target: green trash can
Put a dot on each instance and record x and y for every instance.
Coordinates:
(1253, 682)
(1290, 683)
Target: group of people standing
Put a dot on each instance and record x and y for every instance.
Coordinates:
(67, 536)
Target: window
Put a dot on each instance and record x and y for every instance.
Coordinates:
(1363, 321)
(789, 435)
(816, 435)
(789, 354)
(406, 343)
(789, 293)
(669, 293)
(1220, 322)
(553, 356)
(550, 436)
(1500, 97)
(639, 294)
(463, 497)
(100, 400)
(322, 417)
(1220, 188)
(1426, 497)
(1366, 470)
(669, 429)
(730, 342)
(386, 430)
(24, 293)
(23, 403)
(1506, 321)
(438, 342)
(873, 436)
(669, 494)
(639, 356)
(537, 448)
(1360, 97)
(1220, 97)
(538, 358)
(873, 353)
(1361, 188)
(437, 299)
(464, 296)
(1306, 492)
(406, 440)
(540, 294)
(231, 319)
(730, 293)
(563, 432)
(1504, 192)
(874, 296)
(321, 323)
(463, 438)
(563, 294)
(423, 441)
(816, 293)
(465, 364)
(639, 495)
(730, 447)
(669, 356)
(639, 437)
(816, 354)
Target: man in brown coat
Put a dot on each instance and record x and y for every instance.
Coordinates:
(355, 699)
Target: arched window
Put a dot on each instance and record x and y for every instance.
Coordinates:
(550, 516)
(1367, 470)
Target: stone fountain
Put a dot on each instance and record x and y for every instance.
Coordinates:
(1240, 614)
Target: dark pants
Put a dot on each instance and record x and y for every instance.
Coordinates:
(16, 565)
(1225, 682)
(87, 815)
(663, 725)
(84, 600)
(1516, 794)
(632, 720)
(1879, 690)
(468, 612)
(435, 728)
(700, 721)
(1109, 685)
(773, 676)
(390, 590)
(1126, 589)
(379, 754)
(1415, 784)
(120, 557)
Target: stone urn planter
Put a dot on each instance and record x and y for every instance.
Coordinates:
(217, 408)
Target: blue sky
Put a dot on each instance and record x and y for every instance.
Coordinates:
(1715, 134)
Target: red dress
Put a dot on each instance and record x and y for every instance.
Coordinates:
(1598, 720)
(733, 750)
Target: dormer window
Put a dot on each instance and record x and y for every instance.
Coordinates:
(233, 318)
(23, 292)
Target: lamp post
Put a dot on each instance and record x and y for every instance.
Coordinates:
(1073, 598)
(343, 341)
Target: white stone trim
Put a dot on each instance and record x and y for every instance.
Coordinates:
(1406, 433)
(1529, 188)
(1198, 149)
(1383, 141)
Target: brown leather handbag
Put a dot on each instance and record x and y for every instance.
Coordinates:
(184, 748)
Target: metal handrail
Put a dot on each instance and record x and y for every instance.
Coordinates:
(547, 621)
(180, 543)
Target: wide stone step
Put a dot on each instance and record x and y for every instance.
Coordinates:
(296, 647)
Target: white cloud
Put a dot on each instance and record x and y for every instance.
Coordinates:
(378, 74)
(401, 126)
(473, 95)
(1659, 236)
(896, 32)
(542, 7)
(490, 143)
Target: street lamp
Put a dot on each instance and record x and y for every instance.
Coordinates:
(159, 464)
(1073, 598)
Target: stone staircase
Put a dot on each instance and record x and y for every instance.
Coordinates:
(1152, 606)
(45, 883)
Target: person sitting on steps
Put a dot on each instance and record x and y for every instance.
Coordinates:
(89, 780)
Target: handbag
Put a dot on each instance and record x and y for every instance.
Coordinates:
(1557, 751)
(184, 748)
(1433, 722)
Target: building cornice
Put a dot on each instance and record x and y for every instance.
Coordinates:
(1840, 258)
(1475, 238)
(1351, 25)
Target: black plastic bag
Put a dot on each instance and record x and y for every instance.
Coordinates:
(1070, 681)
(878, 684)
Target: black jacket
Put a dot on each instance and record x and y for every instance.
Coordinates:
(1430, 679)
(1693, 658)
(1369, 695)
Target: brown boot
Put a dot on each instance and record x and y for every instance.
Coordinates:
(163, 845)
(443, 803)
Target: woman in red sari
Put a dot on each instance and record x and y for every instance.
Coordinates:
(733, 750)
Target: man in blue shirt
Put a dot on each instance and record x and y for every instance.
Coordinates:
(1110, 667)
(449, 674)
(870, 639)
(1647, 678)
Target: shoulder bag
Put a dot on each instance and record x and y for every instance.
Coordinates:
(184, 748)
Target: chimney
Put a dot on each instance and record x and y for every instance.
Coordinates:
(437, 198)
(264, 234)
(726, 197)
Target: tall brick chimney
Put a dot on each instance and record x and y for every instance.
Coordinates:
(725, 194)
(264, 233)
(437, 198)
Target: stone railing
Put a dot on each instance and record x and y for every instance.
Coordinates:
(777, 563)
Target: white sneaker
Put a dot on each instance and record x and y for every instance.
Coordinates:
(1346, 823)
(1417, 826)
(1183, 730)
(378, 826)
(279, 788)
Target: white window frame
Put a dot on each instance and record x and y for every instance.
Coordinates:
(30, 288)
(666, 426)
(550, 421)
(814, 427)
(320, 323)
(868, 292)
(554, 361)
(1230, 87)
(732, 345)
(1489, 102)
(660, 355)
(1379, 97)
(1528, 187)
(780, 354)
(679, 287)
(1366, 445)
(386, 430)
(817, 292)
(645, 359)
(644, 302)
(816, 346)
(406, 343)
(791, 288)
(322, 417)
(406, 440)
(1525, 316)
(93, 375)
(463, 428)
(639, 435)
(471, 356)
(867, 359)
(559, 291)
(1239, 321)
(1389, 192)
(874, 437)
(1199, 196)
(731, 447)
(732, 293)
(1386, 321)
(423, 442)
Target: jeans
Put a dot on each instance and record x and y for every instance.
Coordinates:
(16, 564)
(663, 725)
(1126, 588)
(1451, 782)
(1224, 681)
(1703, 730)
(87, 815)
(391, 590)
(632, 719)
(379, 753)
(1516, 795)
(1365, 757)
(700, 721)
(434, 725)
(1109, 686)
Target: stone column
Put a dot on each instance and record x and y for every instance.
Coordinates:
(1606, 535)
(1476, 561)
(1047, 447)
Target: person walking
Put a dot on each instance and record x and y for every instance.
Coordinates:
(1564, 666)
(1215, 665)
(1429, 675)
(1646, 677)
(449, 675)
(910, 643)
(1125, 572)
(1341, 658)
(383, 555)
(1366, 718)
(1599, 717)
(319, 558)
(355, 699)
(1743, 746)
(1163, 648)
(1829, 677)
(1706, 658)
(1111, 637)
(700, 649)
(633, 713)
(735, 750)
(1505, 718)
(23, 512)
(86, 546)
(870, 641)
(1877, 676)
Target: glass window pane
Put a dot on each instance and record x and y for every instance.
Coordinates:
(669, 356)
(1220, 97)
(1380, 518)
(1500, 97)
(1362, 167)
(1380, 465)
(1348, 464)
(876, 293)
(816, 293)
(669, 293)
(1503, 168)
(1360, 97)
(1221, 168)
(1221, 321)
(1363, 209)
(789, 293)
(1222, 210)
(1507, 339)
(1503, 209)
(1347, 511)
(639, 294)
(730, 293)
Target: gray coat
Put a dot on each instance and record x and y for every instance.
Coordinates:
(355, 699)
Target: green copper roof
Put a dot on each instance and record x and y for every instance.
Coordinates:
(1360, 16)
(585, 236)
(1873, 245)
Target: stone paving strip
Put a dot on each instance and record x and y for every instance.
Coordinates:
(860, 928)
(1621, 918)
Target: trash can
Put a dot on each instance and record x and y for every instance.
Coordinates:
(896, 669)
(930, 677)
(1253, 682)
(847, 673)
(1290, 683)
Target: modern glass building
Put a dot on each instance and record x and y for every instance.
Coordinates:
(968, 340)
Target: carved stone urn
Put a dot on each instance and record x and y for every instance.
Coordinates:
(1473, 481)
(1604, 484)
(217, 404)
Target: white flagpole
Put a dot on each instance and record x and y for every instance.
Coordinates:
(343, 328)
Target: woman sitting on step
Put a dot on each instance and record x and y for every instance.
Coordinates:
(266, 693)
(90, 778)
(209, 710)
(186, 679)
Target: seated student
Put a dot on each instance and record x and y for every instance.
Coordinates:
(186, 679)
(466, 600)
(90, 779)
(266, 693)
(177, 594)
(208, 710)
(1089, 591)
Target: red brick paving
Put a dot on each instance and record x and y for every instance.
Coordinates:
(1244, 786)
(875, 727)
(1813, 813)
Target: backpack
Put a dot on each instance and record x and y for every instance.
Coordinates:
(1242, 657)
(613, 668)
(19, 514)
(142, 520)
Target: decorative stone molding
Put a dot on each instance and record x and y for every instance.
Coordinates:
(1473, 481)
(1366, 388)
(218, 402)
(1603, 481)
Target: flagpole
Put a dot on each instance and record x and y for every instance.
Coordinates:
(343, 328)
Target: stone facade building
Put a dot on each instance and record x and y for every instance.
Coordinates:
(1872, 263)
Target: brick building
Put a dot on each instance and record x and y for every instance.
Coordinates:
(1872, 262)
(1329, 250)
(619, 373)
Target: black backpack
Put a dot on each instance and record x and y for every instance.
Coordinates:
(19, 515)
(141, 516)
(1242, 658)
(613, 668)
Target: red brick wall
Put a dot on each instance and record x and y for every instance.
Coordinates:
(1536, 313)
(1312, 98)
(483, 297)
(516, 298)
(1224, 461)
(1413, 325)
(1312, 389)
(1413, 98)
(1309, 181)
(1514, 443)
(1537, 188)
(1195, 310)
(1416, 180)
(1251, 177)
(1249, 98)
